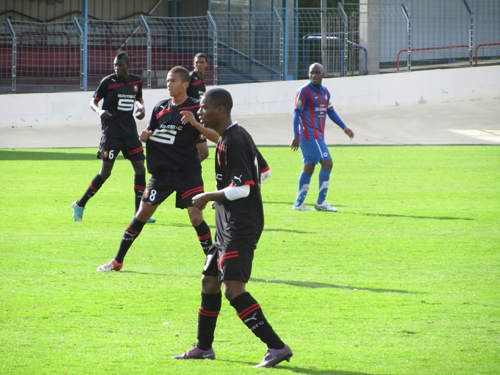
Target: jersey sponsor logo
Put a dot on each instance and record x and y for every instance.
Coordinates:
(166, 134)
(238, 178)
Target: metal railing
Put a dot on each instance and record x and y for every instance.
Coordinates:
(350, 39)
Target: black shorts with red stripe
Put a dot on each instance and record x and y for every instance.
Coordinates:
(163, 184)
(227, 264)
(130, 147)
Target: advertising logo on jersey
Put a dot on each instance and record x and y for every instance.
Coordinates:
(136, 88)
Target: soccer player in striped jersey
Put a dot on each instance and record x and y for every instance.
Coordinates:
(174, 157)
(239, 221)
(312, 105)
(121, 93)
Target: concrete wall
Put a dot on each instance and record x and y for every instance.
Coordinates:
(350, 94)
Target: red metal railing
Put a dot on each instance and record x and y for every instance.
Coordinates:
(485, 44)
(428, 49)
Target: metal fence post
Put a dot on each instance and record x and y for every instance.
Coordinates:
(471, 32)
(280, 23)
(212, 25)
(324, 32)
(408, 28)
(82, 54)
(14, 55)
(343, 61)
(148, 51)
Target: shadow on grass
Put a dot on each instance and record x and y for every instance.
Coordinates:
(302, 370)
(421, 217)
(308, 284)
(51, 155)
(322, 372)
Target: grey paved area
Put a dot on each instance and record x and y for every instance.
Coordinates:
(465, 122)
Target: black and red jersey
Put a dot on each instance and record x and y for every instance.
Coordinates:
(119, 99)
(197, 86)
(239, 223)
(172, 146)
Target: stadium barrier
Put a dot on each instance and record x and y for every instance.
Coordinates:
(349, 94)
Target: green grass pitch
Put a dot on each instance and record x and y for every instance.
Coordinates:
(404, 279)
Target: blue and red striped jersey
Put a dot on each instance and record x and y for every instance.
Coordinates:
(313, 103)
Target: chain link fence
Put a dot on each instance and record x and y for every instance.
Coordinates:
(349, 40)
(249, 47)
(105, 39)
(44, 57)
(6, 63)
(175, 41)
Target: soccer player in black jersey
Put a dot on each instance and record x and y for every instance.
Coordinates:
(121, 93)
(174, 161)
(239, 224)
(197, 85)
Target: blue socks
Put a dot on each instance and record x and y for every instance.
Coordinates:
(324, 181)
(304, 181)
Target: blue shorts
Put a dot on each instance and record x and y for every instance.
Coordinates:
(314, 151)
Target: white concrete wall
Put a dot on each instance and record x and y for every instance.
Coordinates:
(350, 94)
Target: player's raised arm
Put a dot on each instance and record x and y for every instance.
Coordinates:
(188, 117)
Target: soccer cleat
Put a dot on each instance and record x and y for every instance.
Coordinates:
(275, 356)
(77, 211)
(302, 207)
(112, 265)
(196, 353)
(324, 207)
(151, 220)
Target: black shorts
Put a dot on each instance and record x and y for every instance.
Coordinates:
(110, 147)
(162, 185)
(235, 265)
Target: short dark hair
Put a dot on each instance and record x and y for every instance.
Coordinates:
(220, 97)
(122, 55)
(201, 54)
(183, 72)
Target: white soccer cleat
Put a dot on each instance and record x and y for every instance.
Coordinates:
(324, 207)
(302, 207)
(112, 265)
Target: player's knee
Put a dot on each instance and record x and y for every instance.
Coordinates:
(105, 174)
(139, 167)
(308, 168)
(210, 284)
(327, 165)
(233, 289)
(196, 218)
